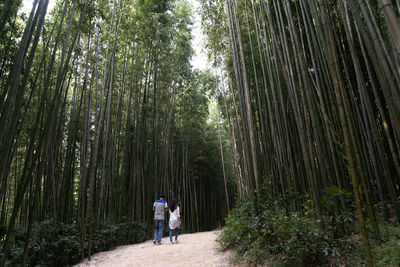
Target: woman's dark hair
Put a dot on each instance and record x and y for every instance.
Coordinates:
(174, 205)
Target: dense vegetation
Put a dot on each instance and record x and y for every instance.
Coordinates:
(280, 236)
(59, 244)
(310, 90)
(101, 111)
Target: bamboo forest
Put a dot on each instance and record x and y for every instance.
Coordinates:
(288, 141)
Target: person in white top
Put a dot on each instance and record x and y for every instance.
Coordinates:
(174, 220)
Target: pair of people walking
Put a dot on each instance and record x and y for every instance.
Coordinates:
(160, 207)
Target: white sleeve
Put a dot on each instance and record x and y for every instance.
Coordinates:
(177, 213)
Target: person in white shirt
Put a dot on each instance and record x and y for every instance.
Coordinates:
(174, 220)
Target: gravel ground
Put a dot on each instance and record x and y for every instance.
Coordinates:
(198, 249)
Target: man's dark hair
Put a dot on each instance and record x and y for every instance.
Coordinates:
(174, 205)
(162, 195)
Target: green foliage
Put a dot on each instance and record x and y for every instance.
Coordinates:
(343, 222)
(386, 248)
(58, 244)
(287, 238)
(240, 227)
(305, 242)
(290, 238)
(9, 38)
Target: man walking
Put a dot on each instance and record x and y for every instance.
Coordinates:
(160, 206)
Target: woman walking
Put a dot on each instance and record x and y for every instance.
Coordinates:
(174, 220)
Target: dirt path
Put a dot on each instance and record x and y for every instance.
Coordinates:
(198, 249)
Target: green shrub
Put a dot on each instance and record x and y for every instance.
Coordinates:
(388, 249)
(385, 247)
(290, 238)
(54, 244)
(283, 238)
(240, 227)
(57, 244)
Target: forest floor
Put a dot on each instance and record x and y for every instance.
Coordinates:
(198, 249)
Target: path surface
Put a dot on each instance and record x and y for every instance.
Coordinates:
(198, 249)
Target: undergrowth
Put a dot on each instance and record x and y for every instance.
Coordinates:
(58, 244)
(385, 247)
(264, 231)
